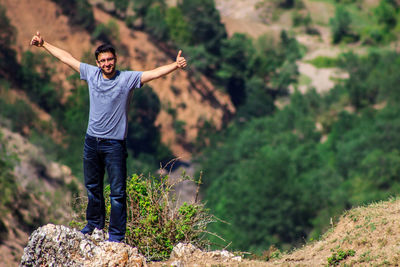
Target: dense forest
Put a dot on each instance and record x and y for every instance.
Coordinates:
(275, 176)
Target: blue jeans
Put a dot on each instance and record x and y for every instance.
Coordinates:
(100, 155)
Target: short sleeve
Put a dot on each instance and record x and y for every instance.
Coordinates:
(86, 70)
(134, 80)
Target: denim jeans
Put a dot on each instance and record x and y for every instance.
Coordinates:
(100, 155)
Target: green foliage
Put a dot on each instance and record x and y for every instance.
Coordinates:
(324, 62)
(155, 24)
(107, 33)
(258, 102)
(372, 78)
(236, 53)
(284, 3)
(199, 58)
(121, 6)
(385, 13)
(143, 136)
(341, 25)
(19, 113)
(273, 179)
(80, 13)
(8, 185)
(204, 24)
(262, 174)
(8, 62)
(300, 19)
(38, 85)
(141, 7)
(73, 119)
(155, 224)
(178, 28)
(347, 1)
(340, 255)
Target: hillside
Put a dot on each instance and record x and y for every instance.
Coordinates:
(300, 164)
(362, 236)
(48, 184)
(371, 232)
(44, 193)
(202, 100)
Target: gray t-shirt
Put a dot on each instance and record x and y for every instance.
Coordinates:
(109, 101)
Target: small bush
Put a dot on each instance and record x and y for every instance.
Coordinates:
(339, 256)
(341, 26)
(155, 224)
(324, 62)
(106, 33)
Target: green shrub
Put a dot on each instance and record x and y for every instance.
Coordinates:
(341, 26)
(19, 113)
(178, 28)
(340, 255)
(8, 185)
(155, 24)
(324, 62)
(155, 224)
(79, 12)
(107, 33)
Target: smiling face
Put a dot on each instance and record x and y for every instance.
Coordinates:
(107, 61)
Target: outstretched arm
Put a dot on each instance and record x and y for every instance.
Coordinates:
(180, 62)
(62, 55)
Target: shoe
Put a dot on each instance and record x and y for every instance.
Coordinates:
(87, 230)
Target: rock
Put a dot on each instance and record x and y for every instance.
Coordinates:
(184, 253)
(57, 245)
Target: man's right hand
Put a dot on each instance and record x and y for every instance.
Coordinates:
(61, 54)
(37, 40)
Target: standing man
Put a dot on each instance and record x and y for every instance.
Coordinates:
(105, 148)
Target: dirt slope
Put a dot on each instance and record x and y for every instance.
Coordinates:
(364, 236)
(43, 194)
(372, 232)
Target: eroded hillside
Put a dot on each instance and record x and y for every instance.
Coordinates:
(195, 99)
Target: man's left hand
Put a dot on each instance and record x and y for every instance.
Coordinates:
(180, 61)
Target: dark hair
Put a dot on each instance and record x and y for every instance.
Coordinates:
(104, 48)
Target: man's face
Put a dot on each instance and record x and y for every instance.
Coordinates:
(106, 61)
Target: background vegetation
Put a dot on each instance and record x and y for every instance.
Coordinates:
(277, 175)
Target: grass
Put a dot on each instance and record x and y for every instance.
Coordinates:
(365, 235)
(324, 62)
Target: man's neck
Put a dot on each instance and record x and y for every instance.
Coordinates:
(109, 76)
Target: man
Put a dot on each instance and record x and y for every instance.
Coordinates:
(105, 148)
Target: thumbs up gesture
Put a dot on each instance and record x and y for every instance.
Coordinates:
(180, 60)
(37, 40)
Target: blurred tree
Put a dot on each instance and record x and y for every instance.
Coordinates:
(80, 13)
(204, 24)
(385, 13)
(143, 136)
(38, 85)
(340, 24)
(155, 24)
(235, 54)
(121, 6)
(178, 28)
(8, 61)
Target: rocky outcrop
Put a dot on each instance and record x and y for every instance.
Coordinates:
(57, 245)
(189, 255)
